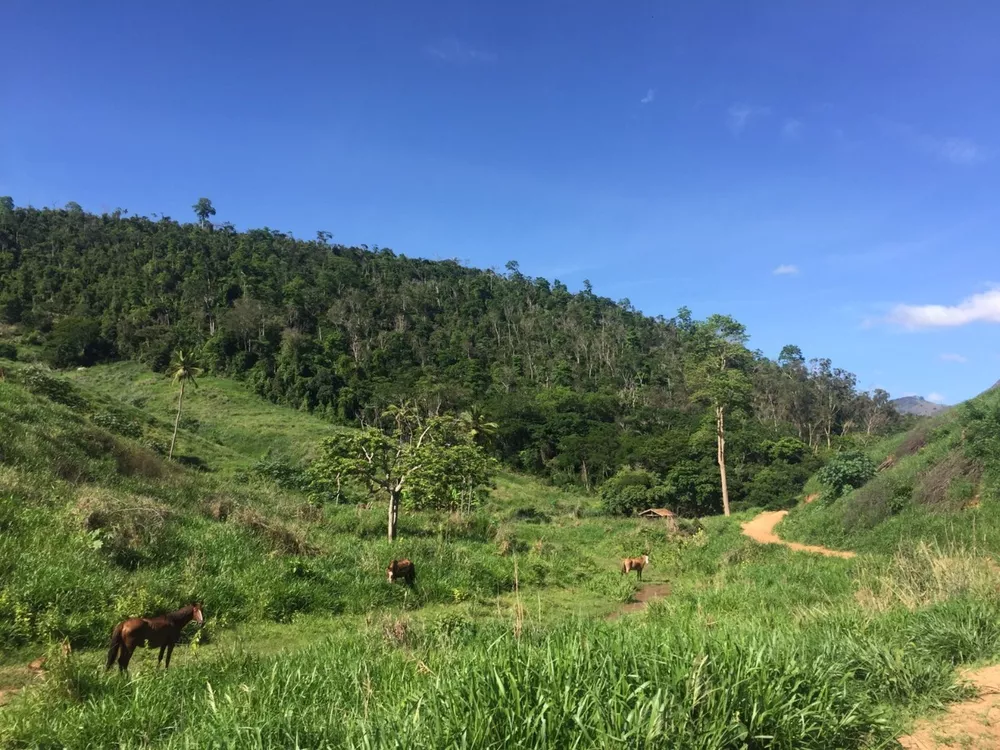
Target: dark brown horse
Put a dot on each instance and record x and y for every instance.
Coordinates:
(162, 631)
(636, 564)
(402, 570)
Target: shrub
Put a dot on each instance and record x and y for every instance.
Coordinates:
(950, 483)
(846, 471)
(282, 537)
(8, 350)
(281, 472)
(117, 424)
(128, 529)
(877, 501)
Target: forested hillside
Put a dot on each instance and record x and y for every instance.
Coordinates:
(579, 386)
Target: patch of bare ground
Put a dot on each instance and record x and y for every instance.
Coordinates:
(970, 724)
(761, 529)
(643, 596)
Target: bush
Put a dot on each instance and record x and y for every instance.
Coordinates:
(131, 530)
(118, 424)
(8, 351)
(847, 471)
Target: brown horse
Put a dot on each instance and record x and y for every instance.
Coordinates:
(402, 570)
(636, 564)
(162, 631)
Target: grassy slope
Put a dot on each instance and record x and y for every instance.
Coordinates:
(930, 493)
(813, 652)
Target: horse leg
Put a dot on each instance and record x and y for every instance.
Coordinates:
(124, 657)
(639, 571)
(160, 660)
(170, 650)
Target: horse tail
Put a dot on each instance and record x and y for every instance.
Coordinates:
(624, 567)
(116, 644)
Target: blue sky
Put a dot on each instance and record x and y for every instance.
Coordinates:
(822, 171)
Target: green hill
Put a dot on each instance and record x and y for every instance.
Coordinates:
(938, 482)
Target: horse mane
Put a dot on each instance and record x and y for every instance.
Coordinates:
(186, 611)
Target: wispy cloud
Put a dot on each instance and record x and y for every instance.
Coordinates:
(650, 95)
(957, 358)
(785, 270)
(935, 398)
(740, 115)
(454, 51)
(952, 149)
(979, 308)
(792, 128)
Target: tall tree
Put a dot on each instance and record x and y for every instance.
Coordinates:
(204, 210)
(183, 371)
(721, 357)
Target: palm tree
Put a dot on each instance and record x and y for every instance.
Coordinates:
(184, 372)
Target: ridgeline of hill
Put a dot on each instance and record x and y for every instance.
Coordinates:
(581, 387)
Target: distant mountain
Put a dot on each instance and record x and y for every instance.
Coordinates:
(918, 406)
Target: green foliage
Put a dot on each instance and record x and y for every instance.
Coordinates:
(632, 490)
(118, 424)
(76, 341)
(777, 486)
(8, 350)
(41, 382)
(846, 471)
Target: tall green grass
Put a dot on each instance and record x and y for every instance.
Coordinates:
(837, 684)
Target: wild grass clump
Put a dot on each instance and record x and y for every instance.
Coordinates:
(921, 574)
(281, 536)
(949, 484)
(131, 529)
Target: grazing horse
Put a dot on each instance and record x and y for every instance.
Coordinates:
(162, 631)
(636, 564)
(402, 570)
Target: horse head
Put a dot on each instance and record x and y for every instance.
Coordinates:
(196, 612)
(392, 569)
(645, 559)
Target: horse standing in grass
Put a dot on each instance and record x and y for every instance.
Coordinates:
(636, 564)
(402, 570)
(162, 631)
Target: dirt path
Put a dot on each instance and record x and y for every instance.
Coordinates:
(970, 724)
(644, 595)
(761, 529)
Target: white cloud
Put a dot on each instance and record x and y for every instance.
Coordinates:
(979, 308)
(792, 128)
(650, 95)
(454, 51)
(785, 270)
(957, 358)
(935, 398)
(952, 149)
(740, 116)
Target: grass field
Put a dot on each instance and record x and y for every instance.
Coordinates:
(502, 643)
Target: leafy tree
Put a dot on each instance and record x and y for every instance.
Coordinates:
(432, 460)
(74, 208)
(847, 471)
(183, 371)
(720, 348)
(75, 341)
(204, 210)
(632, 490)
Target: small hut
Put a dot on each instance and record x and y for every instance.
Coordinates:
(663, 514)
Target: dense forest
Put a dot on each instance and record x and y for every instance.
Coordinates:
(581, 388)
